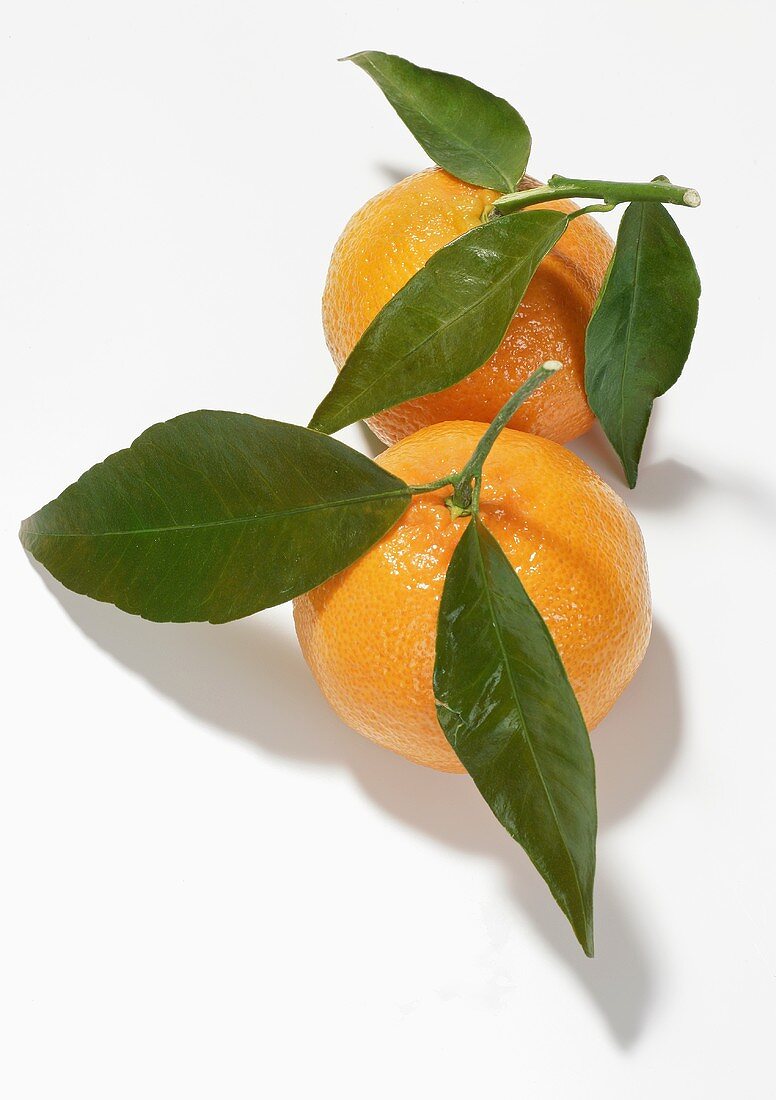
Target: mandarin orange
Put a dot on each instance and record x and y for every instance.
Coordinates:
(369, 633)
(397, 232)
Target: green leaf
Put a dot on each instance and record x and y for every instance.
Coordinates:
(445, 322)
(214, 515)
(507, 708)
(473, 134)
(639, 336)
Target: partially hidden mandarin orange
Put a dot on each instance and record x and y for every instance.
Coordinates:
(397, 232)
(369, 633)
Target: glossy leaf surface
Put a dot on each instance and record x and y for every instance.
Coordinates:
(473, 134)
(214, 515)
(639, 336)
(446, 322)
(508, 710)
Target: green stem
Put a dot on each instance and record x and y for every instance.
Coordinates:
(466, 497)
(416, 490)
(610, 192)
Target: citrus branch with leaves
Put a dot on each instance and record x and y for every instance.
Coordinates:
(212, 516)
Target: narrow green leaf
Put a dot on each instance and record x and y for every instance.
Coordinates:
(445, 322)
(639, 336)
(507, 708)
(214, 515)
(473, 134)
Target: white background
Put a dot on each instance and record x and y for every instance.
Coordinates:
(212, 888)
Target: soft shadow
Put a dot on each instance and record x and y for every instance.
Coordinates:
(638, 740)
(250, 680)
(371, 444)
(245, 678)
(393, 173)
(662, 486)
(668, 485)
(621, 979)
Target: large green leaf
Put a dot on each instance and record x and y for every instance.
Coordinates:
(473, 134)
(639, 336)
(214, 515)
(507, 708)
(445, 322)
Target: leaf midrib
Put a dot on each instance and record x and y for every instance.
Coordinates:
(232, 521)
(524, 726)
(631, 313)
